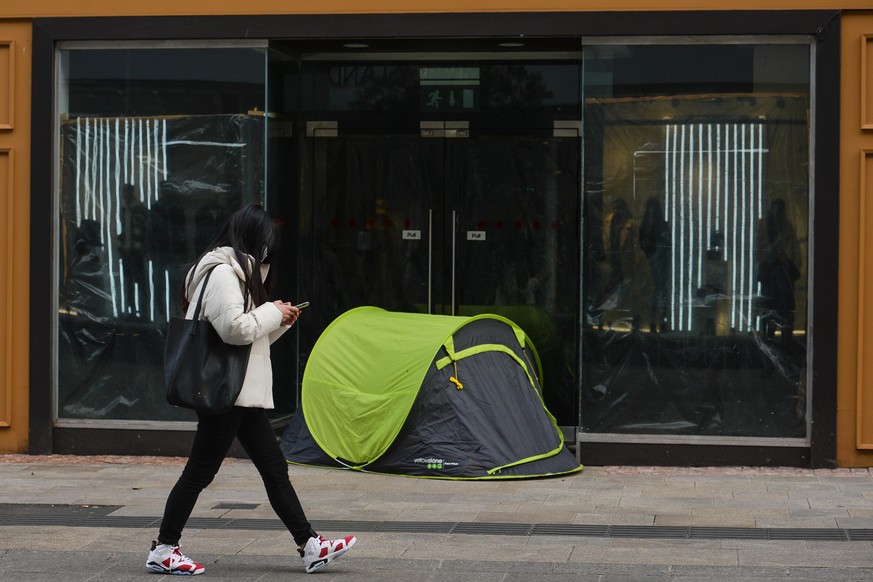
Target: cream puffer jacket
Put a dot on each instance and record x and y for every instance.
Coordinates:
(236, 323)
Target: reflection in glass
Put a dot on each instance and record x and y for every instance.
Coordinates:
(713, 192)
(696, 197)
(146, 181)
(137, 180)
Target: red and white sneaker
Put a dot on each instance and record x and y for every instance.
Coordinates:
(319, 552)
(167, 559)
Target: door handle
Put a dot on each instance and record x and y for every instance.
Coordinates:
(454, 256)
(430, 261)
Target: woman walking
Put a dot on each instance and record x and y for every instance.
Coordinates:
(237, 305)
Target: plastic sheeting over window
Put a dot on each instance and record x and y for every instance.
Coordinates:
(157, 147)
(140, 197)
(695, 253)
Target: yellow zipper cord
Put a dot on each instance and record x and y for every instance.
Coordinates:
(454, 379)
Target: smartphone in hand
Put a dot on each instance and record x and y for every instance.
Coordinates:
(302, 306)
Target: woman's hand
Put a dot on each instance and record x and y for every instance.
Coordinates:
(289, 312)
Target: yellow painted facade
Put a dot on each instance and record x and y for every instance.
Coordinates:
(15, 42)
(855, 363)
(855, 380)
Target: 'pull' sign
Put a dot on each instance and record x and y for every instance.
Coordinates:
(476, 235)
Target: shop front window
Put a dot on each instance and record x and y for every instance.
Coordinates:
(157, 146)
(696, 243)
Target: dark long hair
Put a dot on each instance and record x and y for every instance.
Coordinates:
(250, 232)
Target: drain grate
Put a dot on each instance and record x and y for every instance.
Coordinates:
(859, 535)
(121, 521)
(250, 524)
(414, 527)
(65, 520)
(339, 525)
(808, 534)
(647, 531)
(727, 533)
(228, 505)
(492, 529)
(77, 516)
(558, 529)
(207, 522)
(54, 510)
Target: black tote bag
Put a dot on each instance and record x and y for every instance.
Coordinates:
(200, 370)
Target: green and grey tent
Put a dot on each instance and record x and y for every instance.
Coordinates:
(426, 396)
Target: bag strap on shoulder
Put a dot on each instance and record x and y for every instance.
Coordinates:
(196, 317)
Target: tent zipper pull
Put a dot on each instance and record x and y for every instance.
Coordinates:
(454, 378)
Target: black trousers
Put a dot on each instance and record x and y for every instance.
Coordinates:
(215, 434)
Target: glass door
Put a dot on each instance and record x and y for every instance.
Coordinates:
(376, 196)
(512, 198)
(447, 189)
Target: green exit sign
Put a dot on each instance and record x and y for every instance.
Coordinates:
(449, 98)
(449, 88)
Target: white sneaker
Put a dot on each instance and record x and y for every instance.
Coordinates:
(167, 559)
(319, 552)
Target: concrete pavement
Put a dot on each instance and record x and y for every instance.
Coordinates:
(92, 518)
